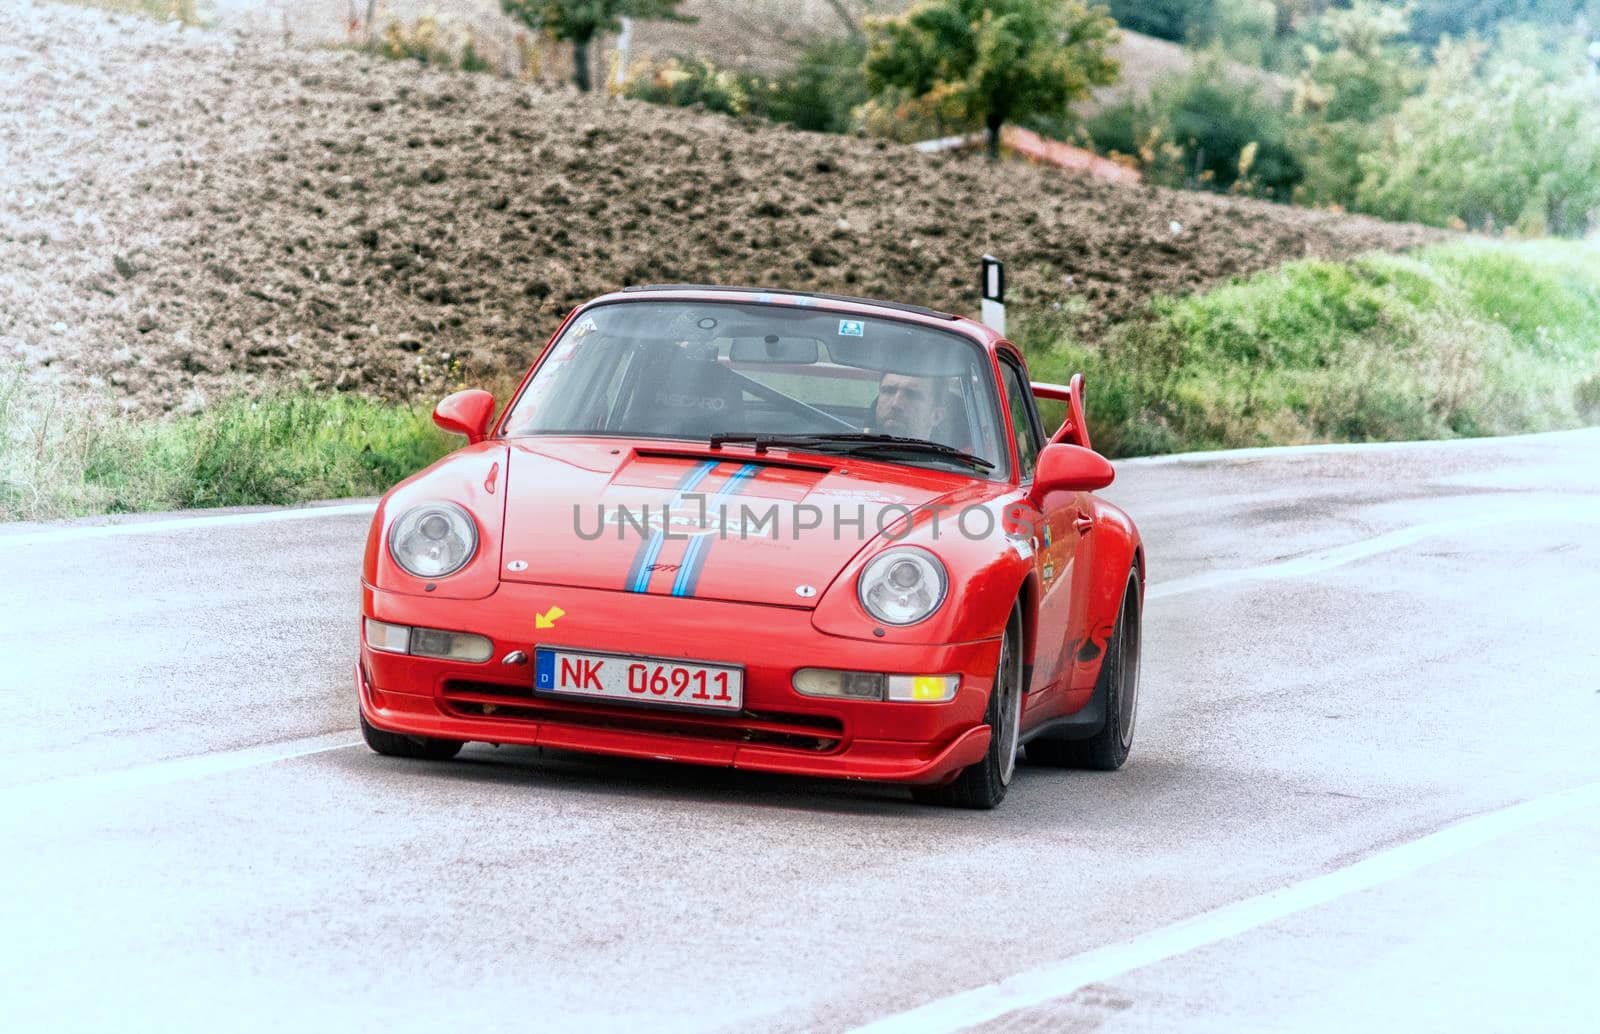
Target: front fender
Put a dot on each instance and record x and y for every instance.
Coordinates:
(986, 569)
(474, 478)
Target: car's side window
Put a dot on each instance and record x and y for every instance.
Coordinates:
(1024, 417)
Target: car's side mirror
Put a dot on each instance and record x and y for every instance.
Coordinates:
(466, 412)
(1070, 468)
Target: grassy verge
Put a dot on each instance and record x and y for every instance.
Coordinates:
(66, 459)
(1469, 338)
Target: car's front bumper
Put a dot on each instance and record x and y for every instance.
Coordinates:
(778, 730)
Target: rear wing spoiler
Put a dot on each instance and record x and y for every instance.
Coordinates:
(1074, 430)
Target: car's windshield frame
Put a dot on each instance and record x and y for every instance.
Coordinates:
(1004, 461)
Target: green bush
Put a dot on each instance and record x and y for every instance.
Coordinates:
(686, 82)
(1490, 145)
(1496, 138)
(1357, 75)
(428, 41)
(420, 41)
(471, 60)
(1118, 128)
(824, 89)
(1247, 31)
(820, 93)
(1463, 339)
(1587, 398)
(1204, 130)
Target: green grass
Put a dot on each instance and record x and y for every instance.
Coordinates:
(66, 459)
(1467, 338)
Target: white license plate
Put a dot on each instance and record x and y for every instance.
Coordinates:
(640, 680)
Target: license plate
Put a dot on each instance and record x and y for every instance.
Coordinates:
(642, 680)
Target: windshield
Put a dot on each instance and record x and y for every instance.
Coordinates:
(691, 370)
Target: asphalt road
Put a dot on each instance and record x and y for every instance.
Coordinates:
(1364, 794)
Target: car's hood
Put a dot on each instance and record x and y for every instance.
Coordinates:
(676, 520)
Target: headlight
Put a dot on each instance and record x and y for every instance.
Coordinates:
(902, 586)
(433, 540)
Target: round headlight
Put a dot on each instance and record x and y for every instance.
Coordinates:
(902, 586)
(433, 540)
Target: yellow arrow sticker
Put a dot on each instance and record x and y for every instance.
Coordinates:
(548, 618)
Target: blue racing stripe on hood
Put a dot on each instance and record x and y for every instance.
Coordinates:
(695, 558)
(650, 549)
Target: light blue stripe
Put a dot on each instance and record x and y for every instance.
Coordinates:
(689, 572)
(652, 549)
(690, 558)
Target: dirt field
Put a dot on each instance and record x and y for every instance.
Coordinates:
(181, 211)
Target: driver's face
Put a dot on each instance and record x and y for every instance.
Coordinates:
(907, 405)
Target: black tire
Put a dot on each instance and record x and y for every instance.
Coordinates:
(984, 785)
(394, 745)
(1118, 686)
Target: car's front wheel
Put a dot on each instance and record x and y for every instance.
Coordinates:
(395, 745)
(984, 785)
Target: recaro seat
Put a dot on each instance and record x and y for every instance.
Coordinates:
(697, 398)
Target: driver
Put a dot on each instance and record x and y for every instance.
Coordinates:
(909, 406)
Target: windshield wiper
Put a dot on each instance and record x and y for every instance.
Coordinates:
(852, 444)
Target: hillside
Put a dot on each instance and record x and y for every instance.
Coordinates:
(183, 211)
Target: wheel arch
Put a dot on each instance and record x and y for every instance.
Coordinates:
(1118, 551)
(1027, 601)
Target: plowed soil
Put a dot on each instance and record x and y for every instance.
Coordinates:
(184, 211)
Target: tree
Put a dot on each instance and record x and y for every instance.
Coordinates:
(1432, 19)
(1493, 144)
(1357, 74)
(580, 21)
(991, 61)
(1207, 127)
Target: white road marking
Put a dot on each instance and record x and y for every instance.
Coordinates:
(59, 792)
(1056, 980)
(226, 520)
(1327, 559)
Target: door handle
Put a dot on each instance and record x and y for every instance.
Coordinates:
(1084, 523)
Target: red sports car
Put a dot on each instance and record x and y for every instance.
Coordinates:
(769, 530)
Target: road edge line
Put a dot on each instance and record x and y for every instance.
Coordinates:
(224, 520)
(173, 770)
